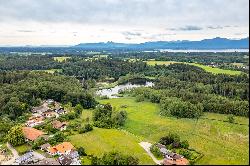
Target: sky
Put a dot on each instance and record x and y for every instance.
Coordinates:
(70, 22)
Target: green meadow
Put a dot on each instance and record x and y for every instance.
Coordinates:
(101, 140)
(220, 142)
(213, 70)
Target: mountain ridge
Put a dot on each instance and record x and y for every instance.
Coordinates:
(215, 43)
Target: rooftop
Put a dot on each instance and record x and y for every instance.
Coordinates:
(31, 133)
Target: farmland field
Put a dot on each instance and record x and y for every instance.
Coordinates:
(220, 142)
(213, 70)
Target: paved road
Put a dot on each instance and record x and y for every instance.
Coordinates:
(146, 147)
(38, 155)
(14, 153)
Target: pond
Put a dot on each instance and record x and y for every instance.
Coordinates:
(112, 92)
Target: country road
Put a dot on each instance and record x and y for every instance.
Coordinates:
(14, 157)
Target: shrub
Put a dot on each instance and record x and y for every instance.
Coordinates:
(231, 119)
(156, 151)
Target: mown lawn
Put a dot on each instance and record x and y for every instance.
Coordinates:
(213, 70)
(220, 142)
(100, 140)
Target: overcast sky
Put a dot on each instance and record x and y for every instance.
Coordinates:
(68, 22)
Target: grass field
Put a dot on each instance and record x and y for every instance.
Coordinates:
(50, 70)
(100, 140)
(206, 68)
(153, 62)
(217, 70)
(61, 59)
(22, 149)
(220, 142)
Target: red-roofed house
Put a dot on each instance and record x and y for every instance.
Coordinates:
(61, 149)
(31, 134)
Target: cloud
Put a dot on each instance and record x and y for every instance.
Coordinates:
(129, 12)
(186, 28)
(127, 33)
(53, 21)
(191, 28)
(214, 27)
(25, 31)
(239, 34)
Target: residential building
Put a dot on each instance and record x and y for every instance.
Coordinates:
(61, 149)
(45, 147)
(49, 114)
(60, 111)
(34, 121)
(63, 160)
(31, 134)
(59, 125)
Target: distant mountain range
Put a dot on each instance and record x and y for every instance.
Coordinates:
(215, 43)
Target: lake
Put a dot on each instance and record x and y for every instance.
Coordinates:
(111, 92)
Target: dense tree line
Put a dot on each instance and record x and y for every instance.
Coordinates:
(190, 87)
(101, 68)
(28, 89)
(32, 62)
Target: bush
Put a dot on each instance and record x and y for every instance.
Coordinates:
(114, 158)
(156, 151)
(184, 144)
(170, 139)
(231, 119)
(139, 98)
(81, 151)
(86, 128)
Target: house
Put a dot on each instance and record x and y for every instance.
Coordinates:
(50, 102)
(60, 111)
(63, 160)
(39, 109)
(47, 161)
(59, 125)
(49, 114)
(45, 147)
(171, 158)
(73, 154)
(61, 149)
(34, 121)
(177, 161)
(31, 134)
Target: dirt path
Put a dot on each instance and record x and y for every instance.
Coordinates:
(146, 147)
(15, 156)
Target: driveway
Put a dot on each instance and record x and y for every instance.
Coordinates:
(146, 147)
(14, 153)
